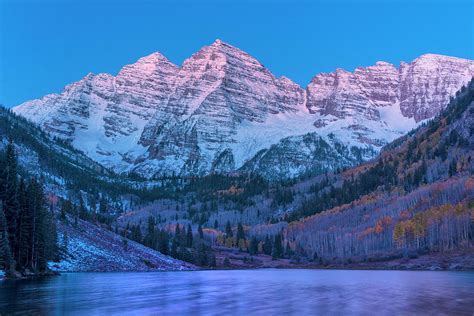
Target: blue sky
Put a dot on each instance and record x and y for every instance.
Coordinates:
(46, 44)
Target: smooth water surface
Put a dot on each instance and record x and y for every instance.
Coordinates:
(241, 292)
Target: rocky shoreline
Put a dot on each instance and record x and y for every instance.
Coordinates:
(26, 274)
(452, 261)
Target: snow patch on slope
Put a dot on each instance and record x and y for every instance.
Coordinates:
(251, 137)
(394, 119)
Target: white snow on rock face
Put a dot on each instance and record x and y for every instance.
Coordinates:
(218, 89)
(427, 83)
(382, 102)
(222, 107)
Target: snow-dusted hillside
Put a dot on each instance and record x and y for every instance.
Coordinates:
(89, 248)
(222, 110)
(56, 163)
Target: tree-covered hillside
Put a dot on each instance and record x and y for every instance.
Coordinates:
(69, 173)
(396, 204)
(28, 237)
(417, 196)
(36, 234)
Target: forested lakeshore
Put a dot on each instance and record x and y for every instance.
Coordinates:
(415, 200)
(436, 218)
(28, 237)
(417, 197)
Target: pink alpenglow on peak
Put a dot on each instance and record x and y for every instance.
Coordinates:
(222, 110)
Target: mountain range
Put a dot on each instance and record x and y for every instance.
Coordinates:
(224, 121)
(222, 111)
(411, 207)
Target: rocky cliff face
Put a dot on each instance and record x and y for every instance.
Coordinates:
(429, 81)
(103, 115)
(221, 108)
(217, 90)
(421, 88)
(343, 94)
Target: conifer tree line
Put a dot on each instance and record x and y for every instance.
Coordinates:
(28, 238)
(183, 244)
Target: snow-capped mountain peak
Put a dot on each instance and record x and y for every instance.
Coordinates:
(222, 110)
(148, 64)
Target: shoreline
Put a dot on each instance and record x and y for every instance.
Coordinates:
(21, 275)
(341, 268)
(462, 261)
(294, 267)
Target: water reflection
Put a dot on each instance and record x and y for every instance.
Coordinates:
(261, 292)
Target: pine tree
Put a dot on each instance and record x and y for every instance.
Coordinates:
(183, 238)
(63, 211)
(83, 213)
(174, 248)
(64, 245)
(150, 237)
(42, 235)
(228, 230)
(6, 258)
(200, 232)
(29, 225)
(277, 247)
(164, 242)
(103, 206)
(9, 195)
(137, 233)
(24, 228)
(202, 256)
(240, 232)
(253, 249)
(452, 168)
(227, 262)
(52, 248)
(241, 241)
(288, 251)
(267, 246)
(213, 261)
(177, 235)
(189, 236)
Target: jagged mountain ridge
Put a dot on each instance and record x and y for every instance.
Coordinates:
(222, 107)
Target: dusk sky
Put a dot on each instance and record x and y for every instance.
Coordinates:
(45, 45)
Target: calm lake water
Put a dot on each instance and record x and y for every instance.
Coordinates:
(261, 292)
